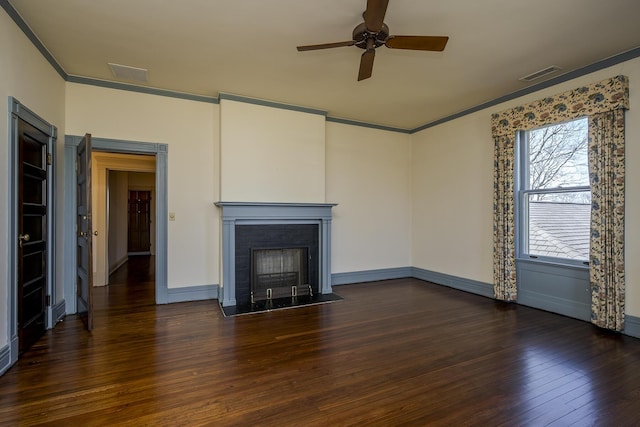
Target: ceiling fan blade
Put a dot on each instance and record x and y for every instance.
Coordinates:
(432, 43)
(374, 15)
(366, 64)
(326, 45)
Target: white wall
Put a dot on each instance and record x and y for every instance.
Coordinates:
(271, 154)
(266, 154)
(27, 76)
(369, 176)
(191, 131)
(453, 179)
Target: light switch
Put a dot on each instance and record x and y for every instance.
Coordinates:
(172, 216)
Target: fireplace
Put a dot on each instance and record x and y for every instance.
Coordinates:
(279, 273)
(272, 258)
(274, 251)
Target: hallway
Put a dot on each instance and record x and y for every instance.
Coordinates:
(131, 289)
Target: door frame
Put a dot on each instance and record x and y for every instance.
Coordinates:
(18, 111)
(160, 151)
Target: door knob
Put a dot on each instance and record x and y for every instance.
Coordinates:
(95, 233)
(23, 238)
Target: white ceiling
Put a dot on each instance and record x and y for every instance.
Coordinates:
(248, 48)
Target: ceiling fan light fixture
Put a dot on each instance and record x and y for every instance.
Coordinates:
(540, 73)
(127, 72)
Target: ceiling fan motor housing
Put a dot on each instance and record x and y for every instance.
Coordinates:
(361, 35)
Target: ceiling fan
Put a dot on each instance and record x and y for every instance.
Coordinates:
(373, 33)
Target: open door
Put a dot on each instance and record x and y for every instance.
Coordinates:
(84, 237)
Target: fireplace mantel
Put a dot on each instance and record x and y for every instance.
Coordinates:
(264, 213)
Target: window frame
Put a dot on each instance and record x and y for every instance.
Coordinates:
(521, 205)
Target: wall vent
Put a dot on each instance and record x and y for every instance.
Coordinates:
(126, 72)
(540, 74)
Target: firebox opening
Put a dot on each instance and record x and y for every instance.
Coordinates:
(279, 273)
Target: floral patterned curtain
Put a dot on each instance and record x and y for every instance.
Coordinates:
(504, 250)
(606, 174)
(593, 100)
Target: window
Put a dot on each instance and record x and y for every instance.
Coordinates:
(555, 196)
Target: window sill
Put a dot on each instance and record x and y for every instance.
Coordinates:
(545, 261)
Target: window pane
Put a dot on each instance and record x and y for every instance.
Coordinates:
(559, 225)
(558, 155)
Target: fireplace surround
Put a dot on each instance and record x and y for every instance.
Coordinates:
(252, 226)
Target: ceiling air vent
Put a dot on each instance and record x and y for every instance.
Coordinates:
(129, 73)
(540, 74)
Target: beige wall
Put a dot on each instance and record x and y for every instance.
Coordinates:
(453, 179)
(271, 154)
(369, 176)
(366, 171)
(453, 198)
(190, 129)
(27, 76)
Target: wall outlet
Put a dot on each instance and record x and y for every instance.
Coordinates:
(172, 216)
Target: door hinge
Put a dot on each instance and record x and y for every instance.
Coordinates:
(48, 300)
(49, 161)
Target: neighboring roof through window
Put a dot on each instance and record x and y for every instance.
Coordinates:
(559, 229)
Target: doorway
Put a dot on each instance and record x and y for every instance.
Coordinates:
(130, 216)
(114, 149)
(114, 175)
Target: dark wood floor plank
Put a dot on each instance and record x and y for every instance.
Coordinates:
(400, 352)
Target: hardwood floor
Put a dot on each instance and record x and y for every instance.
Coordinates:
(400, 352)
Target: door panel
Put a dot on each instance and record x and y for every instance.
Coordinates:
(84, 233)
(32, 236)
